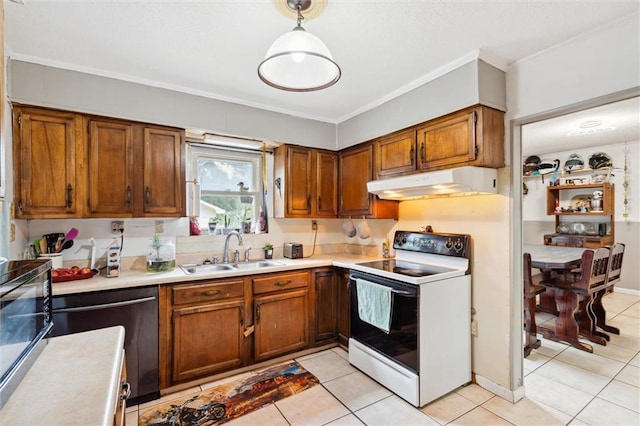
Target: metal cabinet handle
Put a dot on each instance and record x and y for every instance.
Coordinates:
(282, 283)
(20, 207)
(69, 195)
(128, 199)
(210, 292)
(422, 153)
(242, 316)
(257, 313)
(319, 203)
(147, 195)
(126, 390)
(411, 155)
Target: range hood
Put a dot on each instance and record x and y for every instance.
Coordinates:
(458, 181)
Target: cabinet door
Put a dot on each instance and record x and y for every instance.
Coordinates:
(48, 159)
(396, 154)
(447, 141)
(355, 171)
(281, 324)
(326, 184)
(163, 172)
(326, 302)
(110, 169)
(207, 339)
(298, 179)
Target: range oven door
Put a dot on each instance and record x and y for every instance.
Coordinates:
(400, 344)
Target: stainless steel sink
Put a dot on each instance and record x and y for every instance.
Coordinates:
(256, 264)
(192, 268)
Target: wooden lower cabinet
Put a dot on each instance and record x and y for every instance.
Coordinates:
(207, 339)
(212, 326)
(202, 329)
(281, 323)
(325, 305)
(281, 314)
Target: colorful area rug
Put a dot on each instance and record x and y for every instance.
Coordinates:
(233, 399)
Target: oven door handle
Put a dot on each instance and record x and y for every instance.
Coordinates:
(405, 293)
(393, 290)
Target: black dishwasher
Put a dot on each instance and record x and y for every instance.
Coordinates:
(136, 309)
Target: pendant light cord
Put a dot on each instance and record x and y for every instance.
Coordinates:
(300, 17)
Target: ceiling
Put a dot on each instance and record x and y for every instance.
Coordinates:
(619, 122)
(384, 47)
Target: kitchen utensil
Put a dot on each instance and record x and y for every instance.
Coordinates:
(51, 240)
(349, 228)
(363, 229)
(58, 245)
(72, 234)
(43, 245)
(65, 245)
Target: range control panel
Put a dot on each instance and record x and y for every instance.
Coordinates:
(456, 245)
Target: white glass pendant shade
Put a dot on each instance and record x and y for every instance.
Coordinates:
(299, 62)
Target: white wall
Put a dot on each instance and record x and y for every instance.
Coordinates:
(602, 62)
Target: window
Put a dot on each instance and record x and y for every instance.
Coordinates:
(230, 188)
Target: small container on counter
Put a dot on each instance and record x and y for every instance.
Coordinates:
(113, 262)
(161, 256)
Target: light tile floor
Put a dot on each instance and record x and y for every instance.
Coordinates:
(563, 386)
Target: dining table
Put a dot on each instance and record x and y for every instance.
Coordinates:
(550, 259)
(557, 259)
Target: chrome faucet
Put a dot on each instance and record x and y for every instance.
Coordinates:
(225, 255)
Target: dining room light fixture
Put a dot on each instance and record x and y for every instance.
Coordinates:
(299, 61)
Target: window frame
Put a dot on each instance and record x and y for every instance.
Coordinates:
(198, 151)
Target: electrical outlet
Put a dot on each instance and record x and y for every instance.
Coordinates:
(159, 226)
(474, 328)
(117, 227)
(314, 225)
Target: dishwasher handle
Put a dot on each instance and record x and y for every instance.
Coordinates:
(106, 305)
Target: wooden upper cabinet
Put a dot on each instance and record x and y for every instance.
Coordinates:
(355, 170)
(111, 169)
(470, 137)
(48, 163)
(396, 153)
(73, 165)
(163, 180)
(326, 184)
(306, 182)
(298, 178)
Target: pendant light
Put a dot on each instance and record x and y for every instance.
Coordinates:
(298, 61)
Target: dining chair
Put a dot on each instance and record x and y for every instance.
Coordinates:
(530, 292)
(573, 298)
(598, 312)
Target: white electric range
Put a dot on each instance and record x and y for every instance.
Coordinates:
(411, 316)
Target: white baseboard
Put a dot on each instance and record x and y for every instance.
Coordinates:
(626, 291)
(510, 395)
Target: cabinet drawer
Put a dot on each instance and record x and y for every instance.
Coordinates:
(206, 291)
(280, 282)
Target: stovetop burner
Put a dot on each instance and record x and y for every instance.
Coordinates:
(406, 268)
(421, 258)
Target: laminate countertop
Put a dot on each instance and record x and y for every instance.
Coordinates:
(74, 380)
(137, 278)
